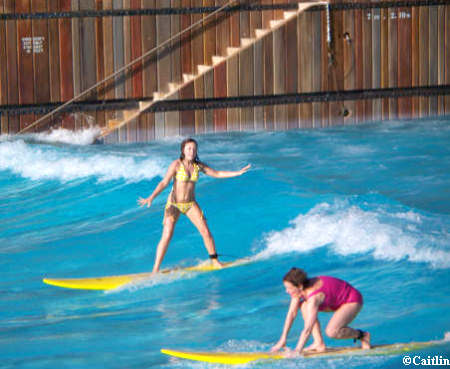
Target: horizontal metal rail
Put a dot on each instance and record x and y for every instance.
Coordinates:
(210, 9)
(231, 102)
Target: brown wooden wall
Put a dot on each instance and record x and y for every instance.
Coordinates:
(52, 60)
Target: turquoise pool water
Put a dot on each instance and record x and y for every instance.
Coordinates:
(369, 204)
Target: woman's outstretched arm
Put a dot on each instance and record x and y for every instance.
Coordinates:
(224, 174)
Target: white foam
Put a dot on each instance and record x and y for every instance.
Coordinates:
(81, 137)
(348, 229)
(31, 161)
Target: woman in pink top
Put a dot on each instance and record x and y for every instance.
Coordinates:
(322, 293)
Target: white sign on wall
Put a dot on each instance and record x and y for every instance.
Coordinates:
(33, 44)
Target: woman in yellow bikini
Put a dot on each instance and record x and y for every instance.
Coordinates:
(185, 173)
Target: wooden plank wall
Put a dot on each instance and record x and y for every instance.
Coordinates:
(372, 48)
(3, 73)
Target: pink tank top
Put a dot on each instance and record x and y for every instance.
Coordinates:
(337, 292)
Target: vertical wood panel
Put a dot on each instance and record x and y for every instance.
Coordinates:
(423, 57)
(141, 134)
(136, 50)
(376, 61)
(305, 74)
(209, 92)
(176, 45)
(384, 52)
(404, 61)
(53, 49)
(292, 71)
(244, 22)
(447, 56)
(41, 58)
(197, 59)
(199, 90)
(267, 15)
(127, 51)
(186, 55)
(142, 124)
(149, 73)
(433, 59)
(112, 54)
(358, 62)
(163, 34)
(209, 36)
(367, 60)
(220, 90)
(197, 39)
(323, 80)
(99, 50)
(123, 137)
(279, 76)
(393, 60)
(278, 13)
(337, 108)
(415, 56)
(66, 62)
(25, 61)
(131, 130)
(233, 90)
(160, 124)
(87, 51)
(172, 118)
(246, 87)
(255, 19)
(114, 50)
(3, 74)
(128, 81)
(222, 32)
(150, 126)
(235, 39)
(349, 62)
(269, 113)
(187, 117)
(150, 80)
(76, 47)
(441, 55)
(136, 69)
(258, 78)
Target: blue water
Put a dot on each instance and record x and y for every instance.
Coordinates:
(369, 204)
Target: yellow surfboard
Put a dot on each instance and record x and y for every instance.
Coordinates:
(112, 282)
(234, 358)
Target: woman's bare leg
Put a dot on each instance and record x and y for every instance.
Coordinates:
(171, 216)
(318, 345)
(195, 215)
(337, 326)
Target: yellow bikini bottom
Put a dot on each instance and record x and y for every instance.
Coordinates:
(183, 207)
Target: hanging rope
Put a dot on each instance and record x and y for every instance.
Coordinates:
(125, 67)
(332, 62)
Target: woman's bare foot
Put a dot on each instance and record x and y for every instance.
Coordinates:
(217, 263)
(315, 347)
(365, 341)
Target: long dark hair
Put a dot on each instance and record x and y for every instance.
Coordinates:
(183, 144)
(297, 277)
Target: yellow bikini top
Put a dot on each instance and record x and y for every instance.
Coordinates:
(182, 176)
